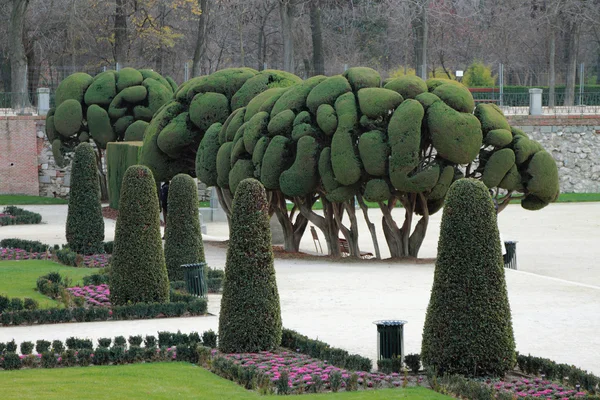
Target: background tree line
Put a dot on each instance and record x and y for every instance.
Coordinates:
(540, 42)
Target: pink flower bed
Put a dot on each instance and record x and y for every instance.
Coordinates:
(302, 369)
(92, 261)
(539, 388)
(97, 296)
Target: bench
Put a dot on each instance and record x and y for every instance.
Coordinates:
(345, 250)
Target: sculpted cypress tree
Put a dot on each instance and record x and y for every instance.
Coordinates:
(250, 319)
(139, 273)
(468, 327)
(183, 239)
(85, 224)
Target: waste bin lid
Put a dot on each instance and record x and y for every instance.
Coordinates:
(390, 322)
(195, 265)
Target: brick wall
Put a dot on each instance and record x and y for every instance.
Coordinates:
(18, 155)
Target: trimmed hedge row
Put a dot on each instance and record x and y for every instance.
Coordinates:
(321, 350)
(17, 304)
(197, 306)
(17, 216)
(81, 352)
(34, 246)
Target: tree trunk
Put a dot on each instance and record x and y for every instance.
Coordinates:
(18, 59)
(325, 223)
(370, 225)
(260, 60)
(552, 77)
(420, 27)
(225, 200)
(293, 229)
(101, 175)
(286, 15)
(121, 32)
(200, 48)
(572, 51)
(418, 235)
(316, 28)
(392, 233)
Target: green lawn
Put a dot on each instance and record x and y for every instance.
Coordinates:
(22, 200)
(156, 381)
(18, 278)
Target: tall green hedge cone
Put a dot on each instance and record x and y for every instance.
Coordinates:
(139, 272)
(468, 327)
(250, 318)
(183, 239)
(85, 224)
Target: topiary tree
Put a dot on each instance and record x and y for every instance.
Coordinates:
(119, 157)
(139, 273)
(183, 239)
(85, 224)
(468, 328)
(250, 317)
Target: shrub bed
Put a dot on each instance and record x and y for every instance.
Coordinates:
(64, 256)
(17, 216)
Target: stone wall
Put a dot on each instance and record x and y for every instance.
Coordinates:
(574, 142)
(54, 181)
(18, 156)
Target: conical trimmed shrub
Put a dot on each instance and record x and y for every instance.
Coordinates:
(139, 272)
(85, 224)
(468, 327)
(183, 239)
(250, 318)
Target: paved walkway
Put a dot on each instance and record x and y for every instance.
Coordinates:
(555, 295)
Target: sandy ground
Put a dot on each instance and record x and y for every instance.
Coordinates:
(554, 294)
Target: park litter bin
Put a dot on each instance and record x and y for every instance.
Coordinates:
(195, 281)
(510, 258)
(390, 339)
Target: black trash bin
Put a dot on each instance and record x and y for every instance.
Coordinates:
(195, 281)
(510, 258)
(390, 339)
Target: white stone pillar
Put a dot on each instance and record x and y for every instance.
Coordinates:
(43, 95)
(535, 102)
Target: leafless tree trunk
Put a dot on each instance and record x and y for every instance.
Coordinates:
(420, 29)
(286, 12)
(572, 35)
(317, 38)
(552, 72)
(18, 58)
(200, 48)
(120, 32)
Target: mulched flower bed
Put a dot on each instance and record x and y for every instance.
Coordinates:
(536, 387)
(91, 261)
(94, 295)
(305, 372)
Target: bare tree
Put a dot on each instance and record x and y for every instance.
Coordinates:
(200, 48)
(18, 59)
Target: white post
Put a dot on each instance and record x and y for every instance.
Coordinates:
(43, 102)
(535, 101)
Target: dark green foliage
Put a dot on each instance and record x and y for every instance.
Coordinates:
(262, 81)
(119, 157)
(456, 96)
(441, 187)
(101, 129)
(264, 102)
(73, 87)
(327, 119)
(374, 152)
(302, 178)
(377, 190)
(456, 136)
(11, 361)
(232, 125)
(122, 124)
(295, 98)
(277, 159)
(250, 318)
(362, 77)
(390, 365)
(158, 94)
(128, 77)
(327, 92)
(134, 94)
(427, 99)
(206, 157)
(498, 138)
(183, 243)
(409, 86)
(344, 160)
(413, 362)
(135, 131)
(103, 90)
(512, 180)
(378, 102)
(347, 112)
(490, 117)
(18, 216)
(468, 328)
(255, 128)
(544, 177)
(208, 108)
(85, 224)
(241, 170)
(497, 167)
(30, 304)
(139, 273)
(178, 136)
(42, 346)
(27, 348)
(68, 118)
(57, 153)
(282, 123)
(224, 165)
(524, 148)
(50, 129)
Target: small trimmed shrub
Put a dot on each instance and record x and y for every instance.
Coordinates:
(96, 280)
(30, 304)
(16, 304)
(250, 277)
(33, 246)
(27, 348)
(468, 327)
(42, 346)
(17, 216)
(11, 361)
(136, 340)
(104, 342)
(4, 303)
(49, 360)
(390, 365)
(57, 346)
(11, 347)
(209, 339)
(413, 362)
(138, 273)
(85, 224)
(183, 241)
(120, 341)
(150, 341)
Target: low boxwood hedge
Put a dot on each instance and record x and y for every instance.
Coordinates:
(17, 216)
